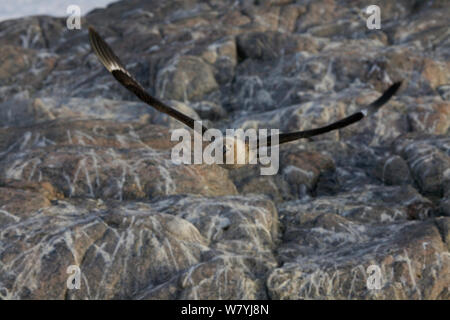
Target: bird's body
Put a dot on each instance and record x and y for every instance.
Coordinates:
(237, 153)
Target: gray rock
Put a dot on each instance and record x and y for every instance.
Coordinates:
(428, 162)
(394, 171)
(86, 177)
(344, 251)
(444, 91)
(271, 45)
(208, 110)
(35, 32)
(177, 247)
(186, 78)
(445, 206)
(85, 162)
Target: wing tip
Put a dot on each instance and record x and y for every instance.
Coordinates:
(396, 86)
(104, 52)
(390, 92)
(385, 97)
(92, 32)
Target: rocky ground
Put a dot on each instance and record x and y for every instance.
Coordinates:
(86, 177)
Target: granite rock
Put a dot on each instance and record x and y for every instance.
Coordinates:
(86, 177)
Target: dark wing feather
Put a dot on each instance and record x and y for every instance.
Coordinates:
(370, 109)
(113, 64)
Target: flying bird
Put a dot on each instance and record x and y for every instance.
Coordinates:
(121, 74)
